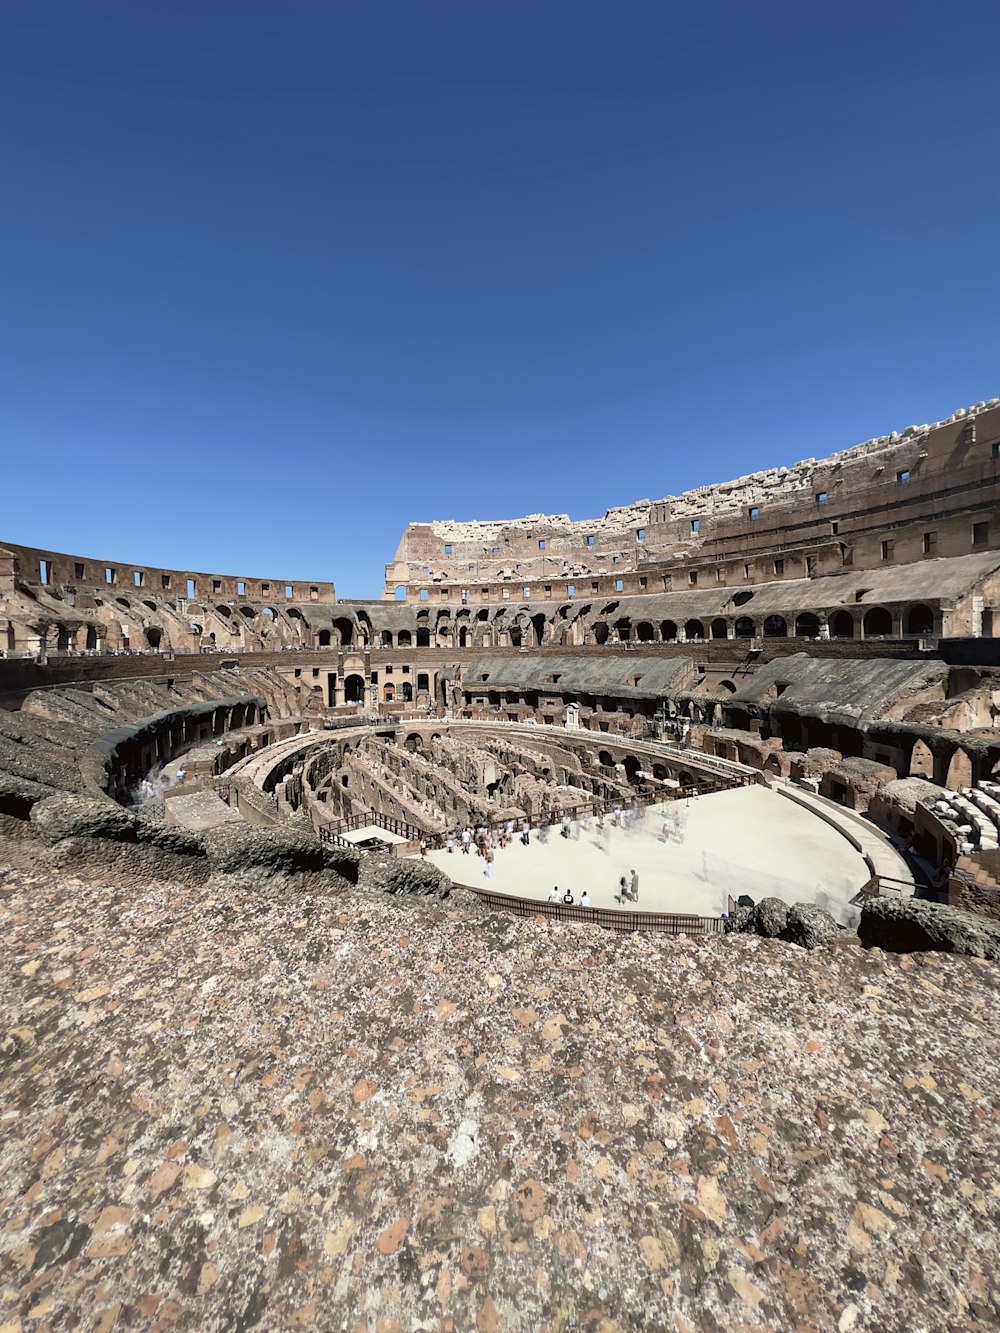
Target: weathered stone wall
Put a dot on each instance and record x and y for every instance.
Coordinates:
(931, 491)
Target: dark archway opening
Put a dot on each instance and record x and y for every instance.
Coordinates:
(354, 689)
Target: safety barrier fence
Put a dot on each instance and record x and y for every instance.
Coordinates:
(624, 922)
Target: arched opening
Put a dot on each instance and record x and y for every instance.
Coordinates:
(539, 624)
(920, 620)
(324, 638)
(741, 598)
(423, 637)
(153, 636)
(600, 632)
(632, 768)
(463, 637)
(668, 631)
(921, 761)
(389, 693)
(404, 639)
(877, 623)
(413, 742)
(385, 638)
(345, 629)
(719, 629)
(63, 639)
(91, 637)
(694, 630)
(728, 686)
(775, 627)
(605, 759)
(644, 632)
(354, 689)
(406, 692)
(842, 625)
(400, 593)
(624, 628)
(743, 627)
(806, 625)
(515, 636)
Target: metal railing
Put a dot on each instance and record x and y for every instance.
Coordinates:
(334, 831)
(608, 918)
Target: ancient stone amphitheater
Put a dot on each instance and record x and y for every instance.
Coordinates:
(263, 1065)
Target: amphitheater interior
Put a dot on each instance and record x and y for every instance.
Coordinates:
(274, 1053)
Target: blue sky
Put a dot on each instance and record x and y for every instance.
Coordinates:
(276, 279)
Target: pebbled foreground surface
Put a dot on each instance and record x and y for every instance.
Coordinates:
(229, 1109)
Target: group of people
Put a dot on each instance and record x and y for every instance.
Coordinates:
(556, 897)
(485, 841)
(628, 888)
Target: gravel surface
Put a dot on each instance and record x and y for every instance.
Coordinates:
(228, 1108)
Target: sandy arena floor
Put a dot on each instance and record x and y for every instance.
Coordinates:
(749, 840)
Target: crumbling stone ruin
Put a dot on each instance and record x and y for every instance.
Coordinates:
(254, 1074)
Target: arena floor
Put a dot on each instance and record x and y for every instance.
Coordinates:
(748, 840)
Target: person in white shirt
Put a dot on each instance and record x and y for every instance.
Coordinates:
(584, 899)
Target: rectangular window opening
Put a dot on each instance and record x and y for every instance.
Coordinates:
(980, 534)
(696, 525)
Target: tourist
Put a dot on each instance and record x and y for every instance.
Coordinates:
(488, 872)
(635, 887)
(568, 898)
(622, 893)
(565, 826)
(585, 899)
(423, 848)
(466, 840)
(553, 894)
(449, 844)
(526, 832)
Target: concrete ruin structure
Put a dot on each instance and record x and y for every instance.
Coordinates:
(847, 606)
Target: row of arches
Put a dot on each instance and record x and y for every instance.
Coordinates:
(875, 622)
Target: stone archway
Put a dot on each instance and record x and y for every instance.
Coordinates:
(920, 620)
(354, 689)
(877, 623)
(921, 761)
(959, 771)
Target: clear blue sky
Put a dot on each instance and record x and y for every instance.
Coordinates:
(278, 278)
